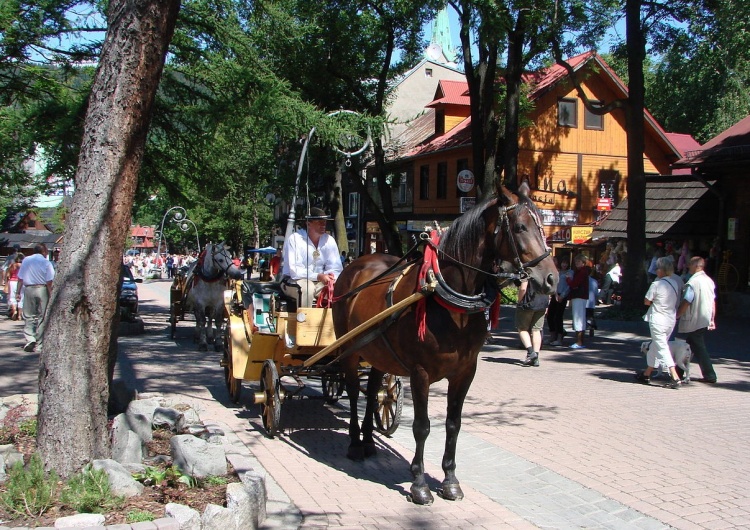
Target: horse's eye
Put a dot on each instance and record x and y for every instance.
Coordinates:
(519, 228)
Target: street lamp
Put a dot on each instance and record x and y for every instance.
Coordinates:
(179, 216)
(350, 143)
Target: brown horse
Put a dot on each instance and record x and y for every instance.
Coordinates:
(454, 326)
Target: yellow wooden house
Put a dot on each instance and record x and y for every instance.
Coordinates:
(575, 161)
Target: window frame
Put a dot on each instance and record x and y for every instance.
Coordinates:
(573, 123)
(424, 182)
(587, 114)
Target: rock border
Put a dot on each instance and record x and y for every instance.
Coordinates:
(246, 501)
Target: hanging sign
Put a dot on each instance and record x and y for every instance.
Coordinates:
(604, 204)
(580, 234)
(465, 180)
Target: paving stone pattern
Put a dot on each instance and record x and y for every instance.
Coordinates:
(574, 443)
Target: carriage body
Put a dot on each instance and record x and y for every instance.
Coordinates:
(264, 343)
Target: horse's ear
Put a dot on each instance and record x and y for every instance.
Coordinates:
(524, 189)
(504, 196)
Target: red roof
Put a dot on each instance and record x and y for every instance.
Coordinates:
(141, 231)
(734, 142)
(457, 93)
(451, 93)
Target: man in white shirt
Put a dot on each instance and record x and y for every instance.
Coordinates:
(311, 260)
(35, 277)
(697, 312)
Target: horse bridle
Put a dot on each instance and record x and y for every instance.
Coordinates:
(521, 267)
(224, 269)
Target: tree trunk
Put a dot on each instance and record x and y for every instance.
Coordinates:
(634, 280)
(513, 75)
(73, 362)
(337, 209)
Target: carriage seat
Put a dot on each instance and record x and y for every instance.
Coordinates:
(268, 290)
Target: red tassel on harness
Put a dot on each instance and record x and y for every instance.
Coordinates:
(430, 262)
(495, 312)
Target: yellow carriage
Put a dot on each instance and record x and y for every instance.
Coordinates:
(264, 342)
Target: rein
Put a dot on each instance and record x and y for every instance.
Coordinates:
(223, 271)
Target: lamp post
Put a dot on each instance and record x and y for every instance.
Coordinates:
(348, 154)
(179, 216)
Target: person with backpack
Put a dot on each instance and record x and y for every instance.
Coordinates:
(530, 312)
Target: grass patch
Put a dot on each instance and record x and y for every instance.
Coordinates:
(89, 492)
(139, 516)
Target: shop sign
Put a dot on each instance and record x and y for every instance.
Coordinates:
(604, 204)
(467, 203)
(559, 217)
(561, 236)
(580, 234)
(465, 180)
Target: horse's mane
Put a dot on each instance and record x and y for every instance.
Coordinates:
(466, 233)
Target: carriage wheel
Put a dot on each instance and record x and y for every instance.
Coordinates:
(270, 411)
(333, 388)
(390, 403)
(234, 385)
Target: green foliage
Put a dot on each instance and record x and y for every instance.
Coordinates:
(139, 516)
(28, 427)
(15, 425)
(509, 294)
(89, 492)
(213, 481)
(171, 476)
(30, 490)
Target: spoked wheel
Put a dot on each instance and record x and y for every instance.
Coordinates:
(333, 387)
(234, 385)
(390, 403)
(270, 408)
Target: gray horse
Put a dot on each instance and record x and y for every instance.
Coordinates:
(206, 282)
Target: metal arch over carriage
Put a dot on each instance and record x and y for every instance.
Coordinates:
(266, 344)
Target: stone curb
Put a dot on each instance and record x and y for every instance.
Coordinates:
(165, 523)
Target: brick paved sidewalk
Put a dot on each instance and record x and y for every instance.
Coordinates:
(571, 444)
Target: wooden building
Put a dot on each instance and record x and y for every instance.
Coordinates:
(726, 160)
(574, 160)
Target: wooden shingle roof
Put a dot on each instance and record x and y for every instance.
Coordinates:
(670, 211)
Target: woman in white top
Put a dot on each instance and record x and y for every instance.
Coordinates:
(662, 299)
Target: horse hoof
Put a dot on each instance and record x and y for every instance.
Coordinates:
(370, 449)
(451, 492)
(356, 453)
(421, 495)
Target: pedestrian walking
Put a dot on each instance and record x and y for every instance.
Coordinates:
(579, 297)
(662, 299)
(530, 312)
(35, 278)
(697, 312)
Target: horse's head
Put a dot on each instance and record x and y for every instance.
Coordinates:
(521, 242)
(218, 261)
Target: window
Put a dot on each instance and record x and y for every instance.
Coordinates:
(591, 120)
(353, 204)
(402, 189)
(428, 72)
(567, 113)
(424, 183)
(442, 180)
(439, 121)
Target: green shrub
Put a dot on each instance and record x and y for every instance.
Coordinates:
(88, 492)
(28, 427)
(30, 490)
(139, 516)
(509, 295)
(213, 480)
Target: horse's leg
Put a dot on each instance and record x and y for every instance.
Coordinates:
(200, 328)
(349, 367)
(457, 390)
(420, 388)
(374, 382)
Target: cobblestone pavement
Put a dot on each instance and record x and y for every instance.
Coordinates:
(574, 443)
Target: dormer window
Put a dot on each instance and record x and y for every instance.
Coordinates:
(439, 121)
